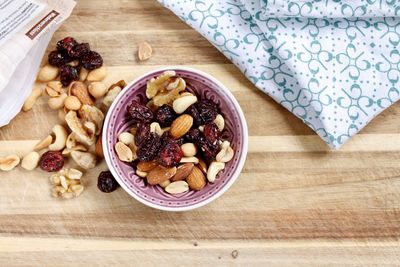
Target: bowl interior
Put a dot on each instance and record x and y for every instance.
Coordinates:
(118, 121)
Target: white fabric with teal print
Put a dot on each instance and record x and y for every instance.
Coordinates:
(335, 64)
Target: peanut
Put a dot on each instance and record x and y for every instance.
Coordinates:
(126, 138)
(30, 161)
(48, 73)
(144, 51)
(177, 187)
(31, 100)
(97, 75)
(54, 88)
(9, 163)
(220, 122)
(57, 102)
(83, 74)
(72, 103)
(189, 149)
(124, 152)
(97, 89)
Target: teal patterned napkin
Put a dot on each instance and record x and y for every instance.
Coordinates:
(335, 64)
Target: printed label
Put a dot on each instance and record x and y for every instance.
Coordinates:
(41, 25)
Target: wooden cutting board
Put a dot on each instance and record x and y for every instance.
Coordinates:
(296, 202)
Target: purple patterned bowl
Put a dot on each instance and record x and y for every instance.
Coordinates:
(118, 121)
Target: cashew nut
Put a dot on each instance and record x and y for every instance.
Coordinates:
(57, 102)
(97, 75)
(9, 163)
(30, 161)
(213, 170)
(220, 122)
(54, 88)
(156, 128)
(126, 138)
(31, 100)
(190, 159)
(226, 153)
(97, 89)
(44, 143)
(61, 135)
(48, 73)
(85, 160)
(181, 104)
(72, 103)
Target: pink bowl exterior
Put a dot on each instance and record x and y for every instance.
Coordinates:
(205, 86)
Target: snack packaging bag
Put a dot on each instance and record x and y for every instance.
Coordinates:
(26, 27)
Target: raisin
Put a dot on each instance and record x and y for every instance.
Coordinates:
(149, 148)
(142, 132)
(170, 155)
(106, 182)
(211, 133)
(165, 115)
(193, 135)
(68, 74)
(51, 161)
(92, 60)
(208, 149)
(58, 59)
(192, 111)
(208, 110)
(140, 113)
(80, 50)
(66, 45)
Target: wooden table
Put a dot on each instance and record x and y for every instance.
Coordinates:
(296, 203)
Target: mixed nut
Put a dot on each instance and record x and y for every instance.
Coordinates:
(176, 141)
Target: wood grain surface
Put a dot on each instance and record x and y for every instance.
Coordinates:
(295, 204)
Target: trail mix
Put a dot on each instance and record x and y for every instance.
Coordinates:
(176, 142)
(74, 87)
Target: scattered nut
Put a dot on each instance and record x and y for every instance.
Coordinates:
(181, 125)
(57, 102)
(213, 170)
(156, 128)
(193, 160)
(196, 179)
(124, 153)
(160, 174)
(48, 73)
(63, 182)
(77, 190)
(54, 88)
(85, 160)
(99, 147)
(146, 166)
(92, 114)
(61, 115)
(202, 166)
(97, 75)
(141, 174)
(44, 143)
(111, 95)
(80, 90)
(170, 93)
(9, 163)
(189, 150)
(126, 138)
(61, 135)
(226, 153)
(77, 127)
(97, 89)
(158, 84)
(67, 183)
(165, 183)
(220, 122)
(144, 51)
(73, 174)
(183, 171)
(30, 161)
(177, 187)
(31, 100)
(72, 103)
(182, 103)
(83, 74)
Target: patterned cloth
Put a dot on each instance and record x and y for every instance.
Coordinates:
(335, 64)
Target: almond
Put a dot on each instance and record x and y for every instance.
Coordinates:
(202, 166)
(144, 166)
(160, 174)
(80, 90)
(183, 171)
(99, 147)
(196, 179)
(181, 125)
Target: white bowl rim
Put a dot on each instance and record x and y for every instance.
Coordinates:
(233, 177)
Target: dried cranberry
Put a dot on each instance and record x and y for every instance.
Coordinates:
(142, 133)
(170, 155)
(58, 59)
(66, 45)
(192, 111)
(149, 148)
(68, 74)
(208, 149)
(211, 133)
(193, 135)
(106, 182)
(140, 113)
(165, 115)
(92, 60)
(208, 110)
(80, 50)
(51, 161)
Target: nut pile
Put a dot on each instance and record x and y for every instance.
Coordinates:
(176, 143)
(75, 88)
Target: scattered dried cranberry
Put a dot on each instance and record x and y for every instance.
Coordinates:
(80, 50)
(170, 155)
(208, 149)
(142, 132)
(165, 115)
(106, 182)
(140, 113)
(192, 111)
(149, 148)
(66, 45)
(193, 135)
(208, 110)
(58, 59)
(92, 60)
(51, 161)
(68, 74)
(211, 133)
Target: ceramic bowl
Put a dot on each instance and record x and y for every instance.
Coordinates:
(205, 87)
